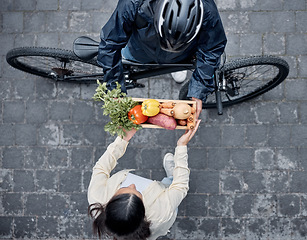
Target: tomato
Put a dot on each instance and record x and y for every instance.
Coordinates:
(136, 116)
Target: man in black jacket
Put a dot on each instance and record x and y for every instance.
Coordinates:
(164, 31)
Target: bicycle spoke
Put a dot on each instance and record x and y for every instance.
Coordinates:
(61, 66)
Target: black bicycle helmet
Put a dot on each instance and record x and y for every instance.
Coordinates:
(178, 22)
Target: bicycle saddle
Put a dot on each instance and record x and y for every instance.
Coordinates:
(85, 48)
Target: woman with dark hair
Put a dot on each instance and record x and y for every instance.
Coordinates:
(127, 206)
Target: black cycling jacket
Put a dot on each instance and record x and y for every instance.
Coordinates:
(142, 40)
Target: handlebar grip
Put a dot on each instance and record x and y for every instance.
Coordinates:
(219, 104)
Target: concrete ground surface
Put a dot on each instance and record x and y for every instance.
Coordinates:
(248, 167)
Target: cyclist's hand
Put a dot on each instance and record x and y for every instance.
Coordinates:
(199, 107)
(188, 135)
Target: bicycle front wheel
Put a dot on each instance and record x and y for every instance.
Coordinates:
(58, 64)
(247, 78)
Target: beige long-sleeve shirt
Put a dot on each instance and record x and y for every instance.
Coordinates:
(160, 203)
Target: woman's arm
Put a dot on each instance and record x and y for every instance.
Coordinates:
(180, 185)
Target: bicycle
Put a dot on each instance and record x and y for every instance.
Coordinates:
(236, 81)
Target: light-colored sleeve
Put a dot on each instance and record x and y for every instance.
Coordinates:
(179, 188)
(103, 168)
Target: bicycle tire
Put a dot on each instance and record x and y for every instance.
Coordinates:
(54, 63)
(258, 64)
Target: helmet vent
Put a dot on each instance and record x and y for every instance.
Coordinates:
(170, 20)
(177, 34)
(190, 9)
(164, 10)
(179, 7)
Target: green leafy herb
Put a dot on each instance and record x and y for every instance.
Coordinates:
(116, 105)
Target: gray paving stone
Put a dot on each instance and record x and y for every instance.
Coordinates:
(279, 227)
(47, 227)
(251, 44)
(58, 158)
(79, 203)
(295, 44)
(23, 89)
(237, 135)
(248, 166)
(6, 227)
(242, 205)
(73, 177)
(253, 182)
(82, 111)
(241, 159)
(283, 22)
(265, 205)
(14, 112)
(297, 138)
(24, 5)
(274, 44)
(211, 136)
(12, 22)
(264, 159)
(257, 135)
(43, 5)
(49, 39)
(34, 22)
(276, 181)
(279, 136)
(60, 111)
(231, 182)
(256, 22)
(24, 227)
(295, 5)
(299, 226)
(49, 134)
(289, 205)
(256, 228)
(35, 204)
(218, 159)
(81, 158)
(196, 205)
(23, 181)
(232, 227)
(209, 182)
(199, 159)
(6, 184)
(35, 157)
(69, 5)
(302, 66)
(12, 209)
(295, 90)
(12, 158)
(298, 182)
(266, 113)
(274, 5)
(80, 22)
(301, 22)
(71, 134)
(57, 204)
(210, 228)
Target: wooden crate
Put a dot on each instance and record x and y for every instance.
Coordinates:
(148, 125)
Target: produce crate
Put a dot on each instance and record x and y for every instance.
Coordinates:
(148, 125)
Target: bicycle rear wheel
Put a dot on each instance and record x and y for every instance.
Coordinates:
(247, 78)
(58, 64)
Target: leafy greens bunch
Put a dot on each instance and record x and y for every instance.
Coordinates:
(116, 105)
